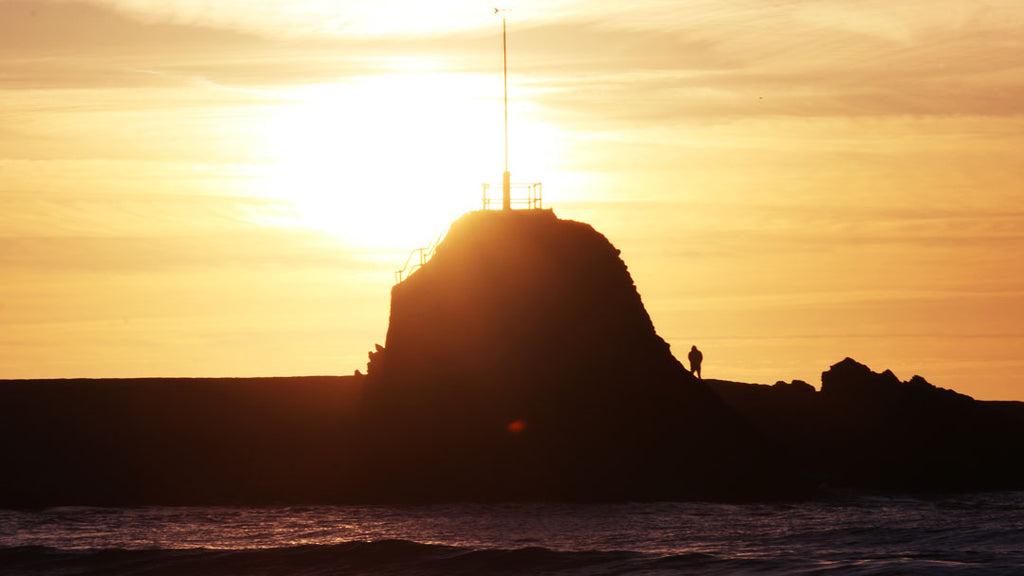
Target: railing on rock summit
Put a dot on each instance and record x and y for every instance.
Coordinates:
(523, 195)
(526, 196)
(417, 258)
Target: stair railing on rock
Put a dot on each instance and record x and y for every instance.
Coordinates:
(529, 197)
(417, 258)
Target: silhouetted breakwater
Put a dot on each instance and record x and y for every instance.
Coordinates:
(519, 364)
(177, 441)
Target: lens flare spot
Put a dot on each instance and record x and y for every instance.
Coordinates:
(516, 426)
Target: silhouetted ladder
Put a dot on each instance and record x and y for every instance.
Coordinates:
(524, 195)
(417, 258)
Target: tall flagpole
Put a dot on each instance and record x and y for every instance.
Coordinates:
(506, 178)
(504, 61)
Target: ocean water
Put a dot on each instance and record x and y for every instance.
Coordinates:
(972, 534)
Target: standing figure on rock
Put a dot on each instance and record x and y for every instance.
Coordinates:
(696, 358)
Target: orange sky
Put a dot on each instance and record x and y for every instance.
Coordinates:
(225, 188)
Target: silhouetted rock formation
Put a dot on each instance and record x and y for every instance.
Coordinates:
(518, 296)
(855, 385)
(870, 431)
(523, 317)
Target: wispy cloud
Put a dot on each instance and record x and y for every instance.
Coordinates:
(653, 62)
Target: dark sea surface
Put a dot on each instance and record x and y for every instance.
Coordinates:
(974, 534)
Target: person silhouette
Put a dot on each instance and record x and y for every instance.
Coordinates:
(696, 357)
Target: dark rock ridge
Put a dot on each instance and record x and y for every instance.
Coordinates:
(521, 317)
(869, 431)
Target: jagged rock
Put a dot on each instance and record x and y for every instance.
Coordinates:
(794, 387)
(920, 383)
(869, 431)
(852, 382)
(851, 378)
(376, 360)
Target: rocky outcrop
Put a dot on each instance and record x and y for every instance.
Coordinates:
(521, 317)
(870, 431)
(523, 297)
(855, 385)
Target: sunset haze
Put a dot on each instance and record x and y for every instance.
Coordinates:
(226, 188)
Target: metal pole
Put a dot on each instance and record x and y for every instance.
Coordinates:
(506, 180)
(504, 59)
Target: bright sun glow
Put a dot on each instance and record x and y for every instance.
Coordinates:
(388, 161)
